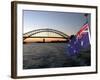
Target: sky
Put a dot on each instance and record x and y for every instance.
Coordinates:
(67, 22)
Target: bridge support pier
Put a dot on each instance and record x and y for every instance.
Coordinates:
(44, 40)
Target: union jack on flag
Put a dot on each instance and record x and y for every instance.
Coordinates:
(83, 35)
(83, 30)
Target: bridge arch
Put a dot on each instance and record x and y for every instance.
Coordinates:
(33, 32)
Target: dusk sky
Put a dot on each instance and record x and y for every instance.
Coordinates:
(69, 23)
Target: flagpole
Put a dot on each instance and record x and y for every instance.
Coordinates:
(86, 16)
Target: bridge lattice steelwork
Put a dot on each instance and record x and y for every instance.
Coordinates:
(34, 32)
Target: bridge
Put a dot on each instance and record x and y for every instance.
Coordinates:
(45, 33)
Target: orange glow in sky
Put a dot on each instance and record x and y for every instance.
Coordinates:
(41, 39)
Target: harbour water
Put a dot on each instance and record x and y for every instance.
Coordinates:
(51, 55)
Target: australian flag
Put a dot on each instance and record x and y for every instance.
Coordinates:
(79, 41)
(83, 36)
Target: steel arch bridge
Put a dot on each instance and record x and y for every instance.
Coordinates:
(33, 32)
